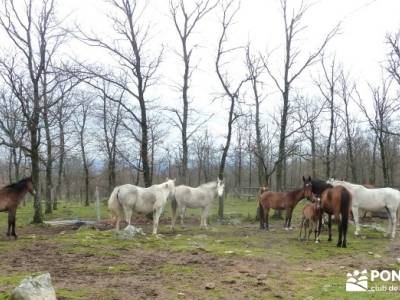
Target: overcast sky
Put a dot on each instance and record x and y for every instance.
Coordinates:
(360, 46)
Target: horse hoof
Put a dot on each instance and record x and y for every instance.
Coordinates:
(344, 246)
(329, 240)
(286, 228)
(317, 241)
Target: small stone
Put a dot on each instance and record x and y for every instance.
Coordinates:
(219, 241)
(209, 286)
(377, 256)
(326, 287)
(230, 281)
(309, 298)
(261, 276)
(229, 252)
(342, 267)
(370, 253)
(201, 236)
(309, 269)
(180, 294)
(62, 232)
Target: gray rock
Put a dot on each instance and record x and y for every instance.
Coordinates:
(130, 232)
(36, 288)
(209, 286)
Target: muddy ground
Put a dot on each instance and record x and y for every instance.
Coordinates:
(234, 260)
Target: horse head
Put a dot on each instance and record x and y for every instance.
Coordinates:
(29, 185)
(220, 187)
(169, 184)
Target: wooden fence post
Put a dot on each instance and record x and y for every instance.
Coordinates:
(97, 204)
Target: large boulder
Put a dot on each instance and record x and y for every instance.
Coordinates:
(35, 288)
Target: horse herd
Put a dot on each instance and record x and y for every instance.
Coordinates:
(333, 197)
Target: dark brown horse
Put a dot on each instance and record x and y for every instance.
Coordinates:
(10, 197)
(282, 200)
(335, 201)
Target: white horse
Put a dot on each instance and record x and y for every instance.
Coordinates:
(128, 198)
(381, 199)
(201, 196)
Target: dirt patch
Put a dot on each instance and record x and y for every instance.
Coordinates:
(136, 273)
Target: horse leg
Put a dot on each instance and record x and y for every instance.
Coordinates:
(329, 228)
(156, 216)
(287, 219)
(318, 233)
(11, 222)
(204, 216)
(174, 216)
(290, 218)
(262, 216)
(356, 220)
(128, 215)
(393, 216)
(266, 218)
(182, 213)
(301, 228)
(310, 230)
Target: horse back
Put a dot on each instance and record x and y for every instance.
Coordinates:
(273, 199)
(335, 199)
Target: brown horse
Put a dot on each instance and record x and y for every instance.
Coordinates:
(335, 201)
(10, 197)
(281, 200)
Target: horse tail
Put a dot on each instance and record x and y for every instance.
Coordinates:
(114, 204)
(345, 208)
(174, 204)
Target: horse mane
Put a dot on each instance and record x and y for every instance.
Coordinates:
(18, 186)
(318, 186)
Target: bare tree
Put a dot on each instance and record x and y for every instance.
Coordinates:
(346, 93)
(385, 108)
(232, 93)
(135, 70)
(255, 70)
(81, 128)
(33, 32)
(293, 27)
(394, 56)
(13, 127)
(328, 88)
(185, 21)
(111, 118)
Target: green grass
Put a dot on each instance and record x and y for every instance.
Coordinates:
(237, 237)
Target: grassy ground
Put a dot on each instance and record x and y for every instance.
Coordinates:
(231, 260)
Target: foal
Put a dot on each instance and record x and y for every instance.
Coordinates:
(10, 197)
(311, 217)
(335, 201)
(281, 200)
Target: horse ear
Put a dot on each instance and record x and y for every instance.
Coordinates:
(304, 179)
(309, 178)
